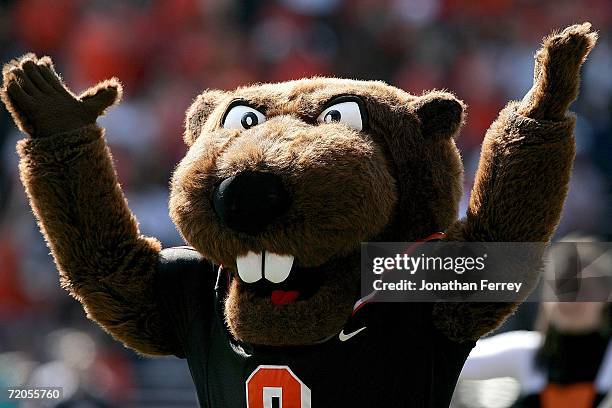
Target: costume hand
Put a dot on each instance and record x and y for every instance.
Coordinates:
(40, 103)
(557, 72)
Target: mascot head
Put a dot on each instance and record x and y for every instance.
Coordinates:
(282, 182)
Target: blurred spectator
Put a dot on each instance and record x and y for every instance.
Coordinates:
(567, 363)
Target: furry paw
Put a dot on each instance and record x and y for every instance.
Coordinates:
(557, 72)
(40, 103)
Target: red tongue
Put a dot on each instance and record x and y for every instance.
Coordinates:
(281, 297)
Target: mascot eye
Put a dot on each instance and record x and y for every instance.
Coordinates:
(347, 112)
(242, 117)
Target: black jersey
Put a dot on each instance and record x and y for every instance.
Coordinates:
(387, 355)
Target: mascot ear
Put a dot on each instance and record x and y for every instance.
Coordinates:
(441, 114)
(198, 112)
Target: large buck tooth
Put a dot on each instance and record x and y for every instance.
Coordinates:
(249, 267)
(278, 267)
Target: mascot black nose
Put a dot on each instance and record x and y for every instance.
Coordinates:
(249, 201)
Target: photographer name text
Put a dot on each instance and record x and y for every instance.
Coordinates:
(448, 286)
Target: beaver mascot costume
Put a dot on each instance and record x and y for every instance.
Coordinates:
(281, 184)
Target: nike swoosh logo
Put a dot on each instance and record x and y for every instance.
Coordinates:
(345, 337)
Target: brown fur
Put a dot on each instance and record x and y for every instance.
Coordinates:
(524, 171)
(42, 105)
(556, 72)
(398, 180)
(103, 260)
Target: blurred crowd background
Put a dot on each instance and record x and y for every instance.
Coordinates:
(167, 51)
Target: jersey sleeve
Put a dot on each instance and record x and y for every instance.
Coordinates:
(185, 283)
(432, 361)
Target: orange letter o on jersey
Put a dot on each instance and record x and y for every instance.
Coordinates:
(276, 387)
